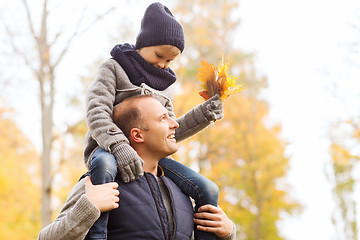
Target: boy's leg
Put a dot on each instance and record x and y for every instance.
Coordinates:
(193, 184)
(103, 169)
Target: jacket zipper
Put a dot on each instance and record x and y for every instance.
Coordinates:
(157, 205)
(172, 210)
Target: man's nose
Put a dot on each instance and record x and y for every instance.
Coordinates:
(173, 123)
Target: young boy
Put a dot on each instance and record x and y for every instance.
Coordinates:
(141, 69)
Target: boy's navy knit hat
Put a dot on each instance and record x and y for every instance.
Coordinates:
(159, 27)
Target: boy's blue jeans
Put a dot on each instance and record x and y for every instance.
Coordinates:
(195, 185)
(103, 169)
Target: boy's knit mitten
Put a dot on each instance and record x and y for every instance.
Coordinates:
(129, 162)
(213, 108)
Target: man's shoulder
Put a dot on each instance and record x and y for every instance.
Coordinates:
(77, 190)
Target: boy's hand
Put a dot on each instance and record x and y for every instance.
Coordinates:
(129, 162)
(103, 196)
(213, 219)
(213, 108)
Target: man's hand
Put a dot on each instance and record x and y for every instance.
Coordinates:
(213, 219)
(103, 196)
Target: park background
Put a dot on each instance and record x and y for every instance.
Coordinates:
(286, 154)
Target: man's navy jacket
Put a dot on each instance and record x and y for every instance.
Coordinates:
(142, 214)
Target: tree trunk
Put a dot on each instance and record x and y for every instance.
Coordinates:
(46, 82)
(43, 67)
(46, 78)
(46, 174)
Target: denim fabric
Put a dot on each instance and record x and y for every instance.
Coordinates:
(193, 184)
(103, 169)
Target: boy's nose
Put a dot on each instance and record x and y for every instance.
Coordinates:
(161, 65)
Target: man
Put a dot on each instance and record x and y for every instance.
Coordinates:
(152, 207)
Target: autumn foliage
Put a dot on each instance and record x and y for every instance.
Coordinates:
(19, 183)
(216, 80)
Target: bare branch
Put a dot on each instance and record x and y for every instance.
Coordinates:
(97, 19)
(73, 35)
(77, 26)
(57, 35)
(44, 20)
(31, 25)
(16, 49)
(77, 33)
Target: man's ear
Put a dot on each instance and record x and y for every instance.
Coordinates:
(136, 135)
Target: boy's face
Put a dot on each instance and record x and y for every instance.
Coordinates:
(159, 56)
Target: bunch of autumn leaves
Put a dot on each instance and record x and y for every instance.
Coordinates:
(216, 81)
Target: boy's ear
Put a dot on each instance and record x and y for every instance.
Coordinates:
(136, 135)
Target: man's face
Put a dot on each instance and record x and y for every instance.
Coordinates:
(159, 56)
(159, 136)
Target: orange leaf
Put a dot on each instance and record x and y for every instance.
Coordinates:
(215, 80)
(204, 95)
(206, 72)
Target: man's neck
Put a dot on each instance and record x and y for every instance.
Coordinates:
(150, 167)
(150, 163)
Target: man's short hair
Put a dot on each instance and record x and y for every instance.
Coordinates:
(127, 115)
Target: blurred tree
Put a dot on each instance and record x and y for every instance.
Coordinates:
(70, 145)
(345, 158)
(342, 168)
(246, 158)
(242, 153)
(19, 183)
(43, 64)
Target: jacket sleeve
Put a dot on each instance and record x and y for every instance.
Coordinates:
(75, 218)
(191, 123)
(100, 98)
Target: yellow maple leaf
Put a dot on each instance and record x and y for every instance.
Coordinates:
(216, 81)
